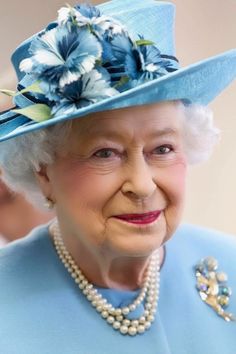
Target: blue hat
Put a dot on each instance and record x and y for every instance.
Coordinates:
(118, 54)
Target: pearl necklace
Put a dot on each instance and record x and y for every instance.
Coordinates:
(116, 317)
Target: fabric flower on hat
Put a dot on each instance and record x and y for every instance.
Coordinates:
(150, 63)
(90, 88)
(139, 61)
(83, 58)
(60, 56)
(81, 15)
(90, 16)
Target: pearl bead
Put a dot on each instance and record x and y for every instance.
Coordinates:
(118, 312)
(116, 325)
(97, 297)
(147, 324)
(119, 318)
(132, 307)
(137, 302)
(142, 297)
(126, 322)
(105, 314)
(150, 318)
(150, 298)
(112, 311)
(132, 331)
(124, 329)
(99, 308)
(100, 303)
(134, 323)
(142, 320)
(151, 293)
(107, 306)
(110, 319)
(125, 311)
(141, 329)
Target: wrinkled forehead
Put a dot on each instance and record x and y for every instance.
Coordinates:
(165, 116)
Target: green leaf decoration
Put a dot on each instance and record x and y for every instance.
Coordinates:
(123, 80)
(99, 62)
(38, 112)
(144, 42)
(35, 87)
(8, 92)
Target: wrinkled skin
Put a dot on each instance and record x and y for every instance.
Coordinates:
(119, 162)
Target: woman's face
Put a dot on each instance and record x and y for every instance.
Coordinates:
(117, 164)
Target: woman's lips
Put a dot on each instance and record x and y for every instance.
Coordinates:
(140, 219)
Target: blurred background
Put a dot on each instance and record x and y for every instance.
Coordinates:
(203, 28)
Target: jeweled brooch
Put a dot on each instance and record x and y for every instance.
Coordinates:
(212, 287)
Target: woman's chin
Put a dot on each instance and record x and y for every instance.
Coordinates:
(135, 245)
(135, 239)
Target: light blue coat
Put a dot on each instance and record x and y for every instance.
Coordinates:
(43, 312)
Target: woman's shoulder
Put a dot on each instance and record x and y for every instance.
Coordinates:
(196, 243)
(19, 256)
(201, 236)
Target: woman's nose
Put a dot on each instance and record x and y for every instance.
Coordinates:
(139, 178)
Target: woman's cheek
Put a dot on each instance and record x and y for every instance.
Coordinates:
(180, 175)
(174, 181)
(179, 183)
(85, 181)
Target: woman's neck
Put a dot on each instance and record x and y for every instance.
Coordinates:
(107, 270)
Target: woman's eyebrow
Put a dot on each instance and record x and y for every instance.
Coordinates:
(113, 134)
(164, 131)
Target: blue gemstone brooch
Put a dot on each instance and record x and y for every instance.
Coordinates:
(212, 287)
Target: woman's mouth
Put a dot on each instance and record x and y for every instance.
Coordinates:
(140, 219)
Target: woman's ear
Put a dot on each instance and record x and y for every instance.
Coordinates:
(43, 178)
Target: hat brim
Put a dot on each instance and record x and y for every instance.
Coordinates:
(198, 83)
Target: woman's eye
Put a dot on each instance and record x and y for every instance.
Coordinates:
(164, 149)
(104, 153)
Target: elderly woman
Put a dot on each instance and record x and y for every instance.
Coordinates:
(104, 127)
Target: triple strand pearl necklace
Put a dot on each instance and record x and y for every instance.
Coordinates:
(117, 317)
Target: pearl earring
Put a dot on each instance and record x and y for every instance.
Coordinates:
(49, 204)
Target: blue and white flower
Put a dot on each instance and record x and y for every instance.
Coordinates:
(151, 65)
(90, 88)
(65, 14)
(87, 57)
(90, 16)
(60, 56)
(139, 63)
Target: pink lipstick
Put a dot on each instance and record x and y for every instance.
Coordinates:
(140, 219)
